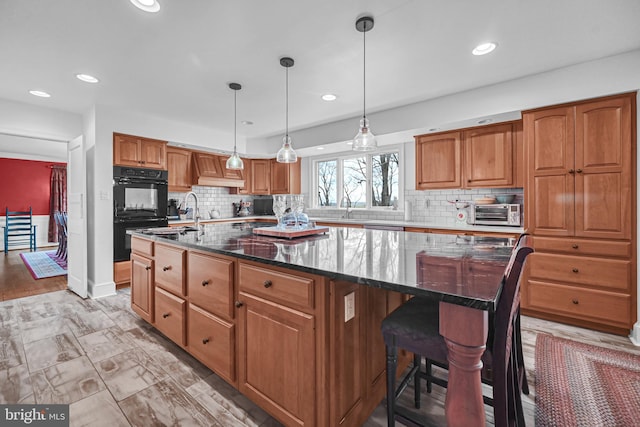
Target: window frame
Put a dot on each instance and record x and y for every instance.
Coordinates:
(345, 155)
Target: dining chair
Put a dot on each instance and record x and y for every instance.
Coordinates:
(414, 326)
(19, 229)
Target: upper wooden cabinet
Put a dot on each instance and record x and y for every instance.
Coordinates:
(481, 157)
(129, 150)
(260, 176)
(210, 169)
(285, 177)
(579, 162)
(180, 170)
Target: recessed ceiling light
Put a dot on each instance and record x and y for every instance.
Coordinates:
(484, 48)
(319, 148)
(147, 5)
(329, 97)
(247, 122)
(484, 121)
(87, 78)
(40, 93)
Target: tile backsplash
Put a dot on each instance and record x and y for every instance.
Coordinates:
(425, 206)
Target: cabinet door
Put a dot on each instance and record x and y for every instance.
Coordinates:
(285, 177)
(277, 359)
(260, 176)
(230, 173)
(549, 140)
(246, 188)
(179, 167)
(170, 268)
(603, 169)
(126, 150)
(210, 283)
(142, 290)
(438, 161)
(488, 157)
(153, 154)
(208, 165)
(212, 341)
(171, 315)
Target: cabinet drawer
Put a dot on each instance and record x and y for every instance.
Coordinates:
(606, 248)
(588, 304)
(210, 283)
(142, 246)
(276, 286)
(170, 316)
(212, 340)
(607, 273)
(170, 271)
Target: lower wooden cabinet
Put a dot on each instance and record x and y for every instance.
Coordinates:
(171, 315)
(142, 289)
(212, 341)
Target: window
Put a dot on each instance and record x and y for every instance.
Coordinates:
(362, 180)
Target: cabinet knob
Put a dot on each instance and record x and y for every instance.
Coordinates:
(165, 315)
(468, 180)
(267, 283)
(166, 268)
(575, 270)
(579, 170)
(205, 340)
(205, 282)
(571, 171)
(239, 304)
(575, 301)
(574, 246)
(148, 267)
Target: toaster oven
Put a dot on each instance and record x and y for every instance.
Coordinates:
(495, 214)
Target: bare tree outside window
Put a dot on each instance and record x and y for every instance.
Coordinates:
(384, 179)
(327, 188)
(355, 181)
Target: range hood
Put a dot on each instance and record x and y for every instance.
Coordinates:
(210, 170)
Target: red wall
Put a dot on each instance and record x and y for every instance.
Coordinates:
(25, 183)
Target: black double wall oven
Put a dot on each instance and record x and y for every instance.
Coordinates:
(139, 201)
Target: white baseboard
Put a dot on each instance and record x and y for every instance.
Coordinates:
(101, 290)
(635, 334)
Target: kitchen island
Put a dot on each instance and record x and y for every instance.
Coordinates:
(295, 324)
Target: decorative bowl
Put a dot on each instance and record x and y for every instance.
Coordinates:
(505, 198)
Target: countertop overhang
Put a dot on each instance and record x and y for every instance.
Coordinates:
(461, 269)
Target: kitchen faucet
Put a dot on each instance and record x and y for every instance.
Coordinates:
(348, 206)
(196, 213)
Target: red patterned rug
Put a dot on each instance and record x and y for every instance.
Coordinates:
(583, 385)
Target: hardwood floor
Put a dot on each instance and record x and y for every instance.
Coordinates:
(17, 282)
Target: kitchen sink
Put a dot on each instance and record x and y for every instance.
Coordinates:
(161, 231)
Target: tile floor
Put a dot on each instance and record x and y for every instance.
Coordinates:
(115, 370)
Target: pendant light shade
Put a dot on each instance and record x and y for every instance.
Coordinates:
(286, 154)
(235, 162)
(365, 140)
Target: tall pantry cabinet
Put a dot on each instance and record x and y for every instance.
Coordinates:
(580, 199)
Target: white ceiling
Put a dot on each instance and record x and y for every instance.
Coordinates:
(177, 63)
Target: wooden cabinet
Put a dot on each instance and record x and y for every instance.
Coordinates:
(170, 315)
(579, 194)
(246, 188)
(142, 289)
(210, 170)
(122, 273)
(481, 157)
(170, 268)
(210, 283)
(285, 177)
(260, 176)
(212, 341)
(282, 377)
(180, 170)
(129, 150)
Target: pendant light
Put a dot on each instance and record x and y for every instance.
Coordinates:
(364, 140)
(235, 162)
(286, 154)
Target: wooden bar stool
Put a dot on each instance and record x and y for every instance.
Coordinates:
(414, 326)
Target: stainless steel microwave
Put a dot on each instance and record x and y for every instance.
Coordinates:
(495, 214)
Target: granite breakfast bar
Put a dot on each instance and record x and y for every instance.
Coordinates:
(294, 325)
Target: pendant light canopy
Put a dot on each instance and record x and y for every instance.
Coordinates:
(235, 162)
(286, 154)
(365, 140)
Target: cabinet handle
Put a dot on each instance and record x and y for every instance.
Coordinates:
(468, 180)
(575, 301)
(574, 246)
(267, 283)
(148, 267)
(205, 282)
(166, 268)
(571, 171)
(165, 315)
(579, 170)
(575, 270)
(205, 341)
(239, 304)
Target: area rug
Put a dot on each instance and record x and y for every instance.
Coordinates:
(584, 385)
(44, 264)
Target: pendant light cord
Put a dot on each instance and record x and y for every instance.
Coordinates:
(286, 127)
(364, 73)
(235, 118)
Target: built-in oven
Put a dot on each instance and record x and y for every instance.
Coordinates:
(139, 201)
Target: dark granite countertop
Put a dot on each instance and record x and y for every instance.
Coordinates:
(463, 270)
